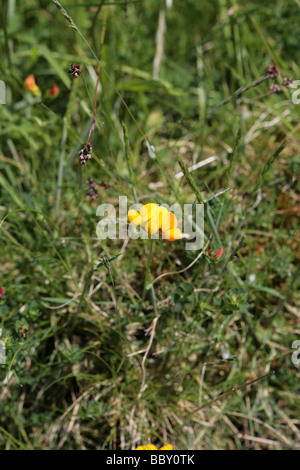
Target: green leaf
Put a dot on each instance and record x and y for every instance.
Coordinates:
(269, 290)
(55, 65)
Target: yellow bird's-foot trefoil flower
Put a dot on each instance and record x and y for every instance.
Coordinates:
(154, 218)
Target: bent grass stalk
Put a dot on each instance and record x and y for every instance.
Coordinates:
(243, 89)
(233, 390)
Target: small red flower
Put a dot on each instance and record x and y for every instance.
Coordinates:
(218, 253)
(23, 330)
(1, 291)
(53, 92)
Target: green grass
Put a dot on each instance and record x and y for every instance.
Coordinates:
(113, 356)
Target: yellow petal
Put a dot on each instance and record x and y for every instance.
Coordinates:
(169, 221)
(148, 211)
(152, 226)
(36, 91)
(134, 217)
(167, 447)
(172, 234)
(162, 213)
(147, 447)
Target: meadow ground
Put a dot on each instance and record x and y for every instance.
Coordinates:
(193, 98)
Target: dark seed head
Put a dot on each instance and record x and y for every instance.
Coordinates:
(274, 88)
(272, 72)
(287, 82)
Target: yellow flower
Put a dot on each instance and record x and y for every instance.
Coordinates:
(153, 218)
(152, 447)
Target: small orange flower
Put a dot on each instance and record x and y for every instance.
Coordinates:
(53, 92)
(31, 86)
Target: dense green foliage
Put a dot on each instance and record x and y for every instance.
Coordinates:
(112, 358)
